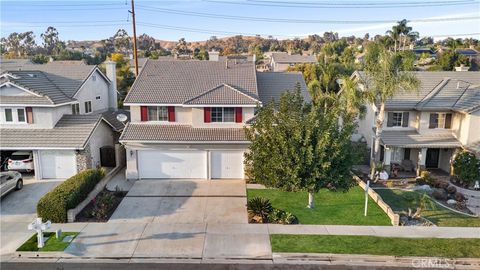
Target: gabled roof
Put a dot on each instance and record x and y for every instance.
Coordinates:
(439, 90)
(467, 52)
(56, 82)
(176, 82)
(281, 57)
(271, 85)
(70, 132)
(141, 132)
(223, 94)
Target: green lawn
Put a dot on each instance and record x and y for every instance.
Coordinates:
(52, 244)
(334, 208)
(372, 245)
(400, 201)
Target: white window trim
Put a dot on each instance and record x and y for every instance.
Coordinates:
(223, 116)
(14, 116)
(157, 121)
(78, 106)
(444, 120)
(84, 106)
(401, 122)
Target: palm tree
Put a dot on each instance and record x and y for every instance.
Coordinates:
(385, 77)
(394, 35)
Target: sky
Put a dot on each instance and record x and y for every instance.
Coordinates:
(171, 20)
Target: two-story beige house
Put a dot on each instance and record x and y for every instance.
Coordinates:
(281, 61)
(60, 114)
(188, 117)
(427, 126)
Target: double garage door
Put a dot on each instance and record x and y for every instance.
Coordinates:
(221, 164)
(57, 164)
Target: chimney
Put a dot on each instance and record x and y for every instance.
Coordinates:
(462, 67)
(213, 56)
(112, 75)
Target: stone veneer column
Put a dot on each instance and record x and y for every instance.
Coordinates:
(84, 160)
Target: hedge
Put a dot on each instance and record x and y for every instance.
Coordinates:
(54, 205)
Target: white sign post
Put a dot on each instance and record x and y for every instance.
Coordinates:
(38, 226)
(366, 197)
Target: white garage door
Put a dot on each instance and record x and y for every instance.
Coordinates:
(227, 164)
(172, 164)
(57, 164)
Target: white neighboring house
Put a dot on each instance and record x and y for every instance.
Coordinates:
(62, 113)
(281, 61)
(426, 127)
(188, 117)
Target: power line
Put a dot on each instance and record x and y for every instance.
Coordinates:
(326, 5)
(282, 20)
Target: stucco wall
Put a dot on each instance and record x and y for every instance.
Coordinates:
(43, 117)
(366, 124)
(444, 159)
(102, 136)
(92, 89)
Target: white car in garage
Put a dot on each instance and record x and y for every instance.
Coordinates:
(20, 161)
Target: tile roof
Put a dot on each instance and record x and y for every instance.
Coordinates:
(71, 132)
(467, 52)
(58, 82)
(175, 82)
(439, 90)
(111, 118)
(271, 85)
(413, 139)
(281, 57)
(180, 133)
(223, 94)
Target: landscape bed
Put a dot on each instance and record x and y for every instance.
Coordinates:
(373, 245)
(51, 244)
(331, 208)
(440, 216)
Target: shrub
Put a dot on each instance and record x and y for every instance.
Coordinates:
(420, 181)
(260, 207)
(439, 194)
(290, 218)
(466, 166)
(451, 189)
(459, 197)
(427, 177)
(54, 205)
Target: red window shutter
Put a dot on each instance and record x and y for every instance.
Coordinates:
(207, 117)
(171, 114)
(29, 115)
(143, 113)
(238, 115)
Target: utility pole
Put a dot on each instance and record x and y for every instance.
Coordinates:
(135, 56)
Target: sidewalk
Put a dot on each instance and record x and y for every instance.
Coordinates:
(382, 231)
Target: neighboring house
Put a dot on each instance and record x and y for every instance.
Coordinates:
(470, 53)
(188, 117)
(62, 113)
(141, 63)
(281, 61)
(426, 127)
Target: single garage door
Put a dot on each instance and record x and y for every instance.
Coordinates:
(57, 164)
(172, 164)
(227, 164)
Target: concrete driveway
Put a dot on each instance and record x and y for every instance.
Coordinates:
(191, 219)
(184, 202)
(18, 209)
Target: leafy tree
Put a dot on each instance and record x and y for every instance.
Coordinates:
(51, 41)
(121, 41)
(19, 44)
(300, 147)
(466, 166)
(450, 59)
(200, 54)
(385, 78)
(40, 59)
(182, 47)
(146, 43)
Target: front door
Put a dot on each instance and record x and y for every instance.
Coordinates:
(432, 158)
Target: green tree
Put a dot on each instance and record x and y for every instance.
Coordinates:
(300, 147)
(450, 59)
(121, 41)
(51, 41)
(466, 166)
(385, 77)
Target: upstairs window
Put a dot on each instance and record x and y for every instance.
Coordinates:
(159, 113)
(88, 106)
(220, 114)
(440, 120)
(76, 108)
(8, 115)
(21, 115)
(397, 119)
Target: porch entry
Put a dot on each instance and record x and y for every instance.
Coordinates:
(431, 160)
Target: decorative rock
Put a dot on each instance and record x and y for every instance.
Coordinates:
(425, 188)
(439, 194)
(451, 189)
(459, 197)
(451, 202)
